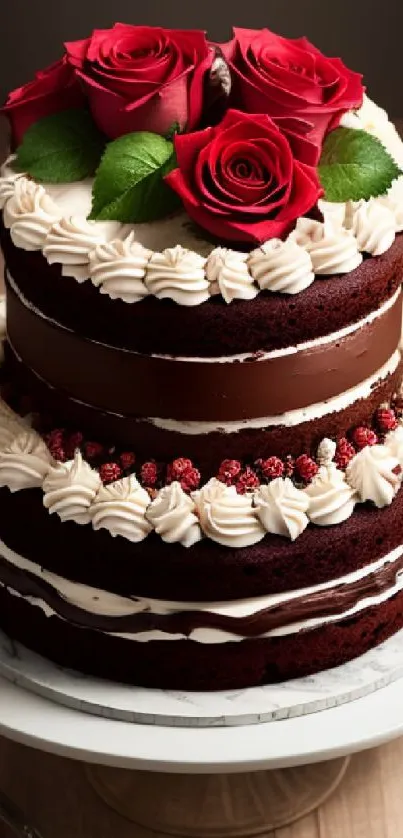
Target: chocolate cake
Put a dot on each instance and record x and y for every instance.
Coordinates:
(201, 418)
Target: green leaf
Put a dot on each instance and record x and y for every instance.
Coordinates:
(129, 184)
(61, 148)
(355, 165)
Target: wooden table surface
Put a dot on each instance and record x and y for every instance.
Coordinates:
(56, 797)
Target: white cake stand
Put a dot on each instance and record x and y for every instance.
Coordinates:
(211, 782)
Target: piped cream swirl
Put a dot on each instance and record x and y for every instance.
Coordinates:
(281, 508)
(178, 274)
(227, 517)
(333, 249)
(70, 241)
(281, 266)
(331, 499)
(118, 268)
(29, 214)
(228, 274)
(120, 508)
(373, 226)
(172, 514)
(70, 488)
(24, 462)
(375, 474)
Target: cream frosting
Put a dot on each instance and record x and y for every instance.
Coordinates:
(393, 201)
(373, 119)
(333, 249)
(29, 214)
(326, 451)
(178, 274)
(281, 508)
(70, 488)
(70, 241)
(228, 274)
(375, 474)
(118, 268)
(331, 499)
(24, 462)
(172, 515)
(120, 508)
(281, 266)
(394, 443)
(227, 517)
(373, 226)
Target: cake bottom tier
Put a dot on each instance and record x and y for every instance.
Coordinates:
(187, 665)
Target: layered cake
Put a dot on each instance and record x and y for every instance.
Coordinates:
(201, 433)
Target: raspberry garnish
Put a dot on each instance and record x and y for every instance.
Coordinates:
(73, 441)
(55, 443)
(110, 472)
(306, 467)
(190, 480)
(247, 481)
(363, 436)
(289, 466)
(149, 474)
(93, 451)
(229, 471)
(176, 469)
(386, 419)
(344, 453)
(127, 459)
(272, 467)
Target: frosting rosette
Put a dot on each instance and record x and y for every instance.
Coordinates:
(226, 517)
(303, 90)
(172, 514)
(240, 180)
(142, 78)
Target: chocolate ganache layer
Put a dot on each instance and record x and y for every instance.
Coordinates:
(128, 383)
(270, 321)
(206, 571)
(186, 665)
(310, 605)
(205, 449)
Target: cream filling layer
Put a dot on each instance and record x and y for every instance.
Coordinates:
(99, 602)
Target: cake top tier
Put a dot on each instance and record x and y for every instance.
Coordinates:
(262, 144)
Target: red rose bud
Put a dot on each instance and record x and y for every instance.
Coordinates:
(265, 69)
(386, 419)
(149, 474)
(127, 459)
(247, 481)
(229, 471)
(190, 480)
(54, 89)
(363, 436)
(306, 467)
(110, 472)
(142, 78)
(272, 467)
(225, 179)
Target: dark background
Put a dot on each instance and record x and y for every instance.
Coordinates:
(367, 34)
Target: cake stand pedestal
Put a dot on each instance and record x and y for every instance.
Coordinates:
(238, 781)
(217, 805)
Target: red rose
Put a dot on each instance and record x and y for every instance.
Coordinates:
(240, 180)
(52, 90)
(142, 78)
(291, 78)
